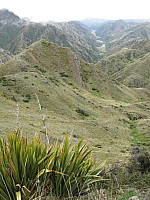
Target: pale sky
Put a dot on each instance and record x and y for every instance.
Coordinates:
(66, 10)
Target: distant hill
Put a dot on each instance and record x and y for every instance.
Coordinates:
(126, 56)
(94, 24)
(121, 34)
(113, 29)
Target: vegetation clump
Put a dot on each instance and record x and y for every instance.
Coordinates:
(28, 169)
(82, 112)
(129, 179)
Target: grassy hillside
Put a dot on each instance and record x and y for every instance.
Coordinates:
(119, 60)
(4, 56)
(128, 66)
(76, 97)
(136, 74)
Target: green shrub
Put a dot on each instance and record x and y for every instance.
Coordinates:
(125, 176)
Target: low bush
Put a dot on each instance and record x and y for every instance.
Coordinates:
(140, 160)
(82, 112)
(129, 179)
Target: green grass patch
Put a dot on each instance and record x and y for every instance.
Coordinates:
(138, 139)
(96, 93)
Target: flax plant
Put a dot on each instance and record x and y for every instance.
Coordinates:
(20, 162)
(30, 170)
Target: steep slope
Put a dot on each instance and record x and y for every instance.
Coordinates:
(128, 66)
(137, 74)
(83, 41)
(76, 97)
(16, 34)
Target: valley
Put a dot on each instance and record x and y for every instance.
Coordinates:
(85, 89)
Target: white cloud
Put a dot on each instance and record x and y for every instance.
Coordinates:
(63, 10)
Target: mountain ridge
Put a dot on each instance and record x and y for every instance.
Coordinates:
(18, 34)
